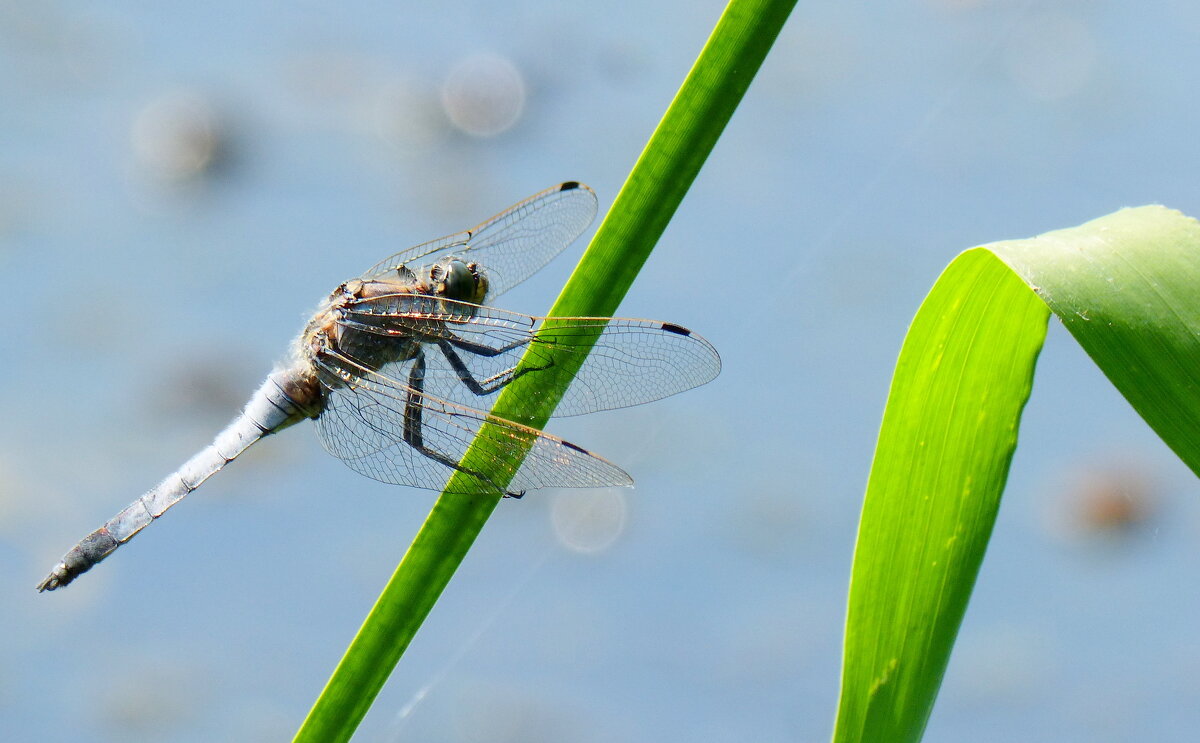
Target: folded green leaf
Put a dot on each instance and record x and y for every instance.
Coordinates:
(1125, 286)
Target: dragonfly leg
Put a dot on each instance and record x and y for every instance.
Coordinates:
(483, 349)
(413, 436)
(492, 383)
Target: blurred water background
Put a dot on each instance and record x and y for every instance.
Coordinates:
(180, 184)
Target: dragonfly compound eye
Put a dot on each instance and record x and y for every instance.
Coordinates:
(463, 282)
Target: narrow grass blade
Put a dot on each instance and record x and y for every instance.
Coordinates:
(655, 187)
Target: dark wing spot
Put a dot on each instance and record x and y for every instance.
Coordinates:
(579, 449)
(677, 329)
(569, 186)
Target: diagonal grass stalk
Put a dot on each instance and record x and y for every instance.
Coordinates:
(662, 175)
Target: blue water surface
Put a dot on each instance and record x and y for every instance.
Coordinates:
(180, 184)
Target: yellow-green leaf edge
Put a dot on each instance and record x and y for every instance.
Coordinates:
(1125, 286)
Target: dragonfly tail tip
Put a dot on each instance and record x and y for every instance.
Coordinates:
(59, 577)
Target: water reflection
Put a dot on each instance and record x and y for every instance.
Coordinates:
(484, 95)
(179, 136)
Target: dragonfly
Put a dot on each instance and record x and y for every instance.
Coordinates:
(398, 368)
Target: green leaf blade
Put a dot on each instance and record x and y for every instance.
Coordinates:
(1124, 285)
(947, 438)
(1127, 287)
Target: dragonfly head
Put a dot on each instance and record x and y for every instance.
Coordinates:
(454, 278)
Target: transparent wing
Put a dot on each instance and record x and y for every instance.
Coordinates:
(472, 352)
(514, 244)
(369, 418)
